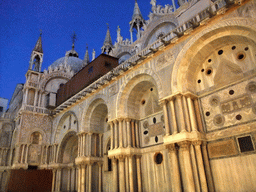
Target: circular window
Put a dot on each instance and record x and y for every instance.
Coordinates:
(209, 60)
(207, 113)
(234, 47)
(241, 56)
(158, 158)
(64, 127)
(246, 48)
(199, 81)
(220, 52)
(145, 132)
(156, 139)
(143, 102)
(239, 117)
(202, 70)
(231, 92)
(75, 122)
(151, 89)
(208, 71)
(214, 101)
(251, 87)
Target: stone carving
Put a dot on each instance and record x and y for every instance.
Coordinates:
(165, 59)
(156, 129)
(113, 90)
(34, 153)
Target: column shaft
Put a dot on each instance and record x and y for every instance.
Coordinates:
(120, 133)
(166, 119)
(200, 165)
(128, 122)
(115, 181)
(53, 179)
(138, 161)
(186, 113)
(133, 134)
(181, 115)
(137, 133)
(121, 175)
(192, 114)
(198, 116)
(116, 134)
(131, 174)
(100, 177)
(90, 177)
(176, 184)
(112, 135)
(174, 120)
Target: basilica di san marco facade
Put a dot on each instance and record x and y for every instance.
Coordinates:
(172, 109)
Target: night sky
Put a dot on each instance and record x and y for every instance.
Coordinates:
(21, 21)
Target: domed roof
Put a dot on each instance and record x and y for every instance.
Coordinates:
(75, 63)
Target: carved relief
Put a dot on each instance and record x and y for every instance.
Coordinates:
(165, 59)
(230, 106)
(34, 154)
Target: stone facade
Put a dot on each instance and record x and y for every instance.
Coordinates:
(177, 114)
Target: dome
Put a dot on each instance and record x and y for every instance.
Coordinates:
(75, 63)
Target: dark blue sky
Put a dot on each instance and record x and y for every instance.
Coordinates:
(21, 21)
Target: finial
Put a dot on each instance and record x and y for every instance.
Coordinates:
(73, 37)
(40, 32)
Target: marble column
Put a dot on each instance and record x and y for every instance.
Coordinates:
(100, 177)
(22, 154)
(166, 118)
(121, 174)
(120, 124)
(133, 133)
(137, 133)
(90, 144)
(53, 179)
(89, 177)
(131, 174)
(186, 113)
(84, 144)
(26, 155)
(83, 178)
(200, 165)
(115, 175)
(112, 135)
(69, 179)
(207, 168)
(127, 173)
(100, 145)
(58, 181)
(187, 176)
(128, 122)
(181, 114)
(175, 171)
(138, 166)
(173, 116)
(79, 146)
(198, 116)
(192, 113)
(116, 134)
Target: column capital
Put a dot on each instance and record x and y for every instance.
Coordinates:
(197, 142)
(120, 157)
(171, 148)
(191, 95)
(128, 119)
(138, 156)
(184, 145)
(115, 121)
(120, 119)
(90, 133)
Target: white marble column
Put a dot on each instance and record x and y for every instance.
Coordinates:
(100, 145)
(137, 133)
(128, 122)
(90, 144)
(127, 173)
(79, 146)
(53, 179)
(187, 119)
(120, 124)
(187, 176)
(112, 135)
(192, 113)
(173, 116)
(166, 118)
(138, 166)
(69, 179)
(181, 114)
(116, 133)
(131, 174)
(83, 178)
(207, 168)
(200, 165)
(175, 171)
(22, 154)
(100, 177)
(121, 174)
(198, 116)
(89, 177)
(133, 133)
(115, 175)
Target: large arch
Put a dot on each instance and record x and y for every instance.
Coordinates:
(87, 113)
(199, 48)
(144, 75)
(61, 129)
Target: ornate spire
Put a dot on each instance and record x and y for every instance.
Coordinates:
(137, 21)
(38, 46)
(107, 46)
(136, 12)
(73, 37)
(86, 56)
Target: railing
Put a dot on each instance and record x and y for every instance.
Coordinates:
(37, 109)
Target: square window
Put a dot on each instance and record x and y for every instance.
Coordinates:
(1, 109)
(245, 144)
